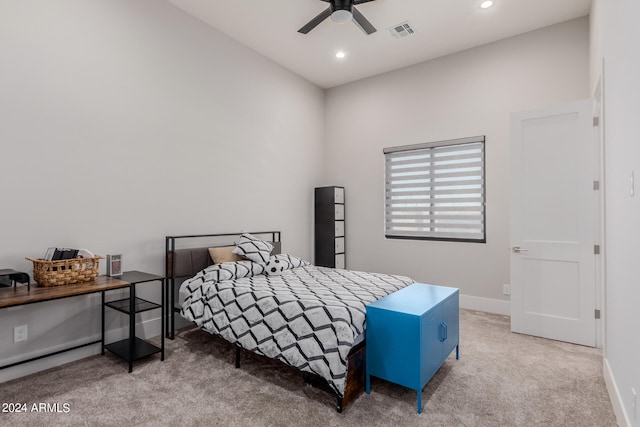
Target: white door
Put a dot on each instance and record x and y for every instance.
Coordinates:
(553, 223)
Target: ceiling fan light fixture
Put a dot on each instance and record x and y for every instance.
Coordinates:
(341, 11)
(341, 16)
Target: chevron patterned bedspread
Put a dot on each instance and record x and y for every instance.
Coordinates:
(307, 317)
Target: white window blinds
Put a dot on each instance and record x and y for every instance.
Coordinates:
(436, 191)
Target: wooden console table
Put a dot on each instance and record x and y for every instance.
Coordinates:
(22, 295)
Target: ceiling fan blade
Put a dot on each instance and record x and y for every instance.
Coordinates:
(362, 22)
(361, 1)
(315, 21)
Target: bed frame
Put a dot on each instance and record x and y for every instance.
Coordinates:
(186, 255)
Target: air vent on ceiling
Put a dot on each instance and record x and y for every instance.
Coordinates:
(401, 30)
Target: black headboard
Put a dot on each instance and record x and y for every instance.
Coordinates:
(186, 255)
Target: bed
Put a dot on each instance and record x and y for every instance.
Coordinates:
(280, 306)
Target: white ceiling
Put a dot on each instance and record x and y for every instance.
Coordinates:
(441, 27)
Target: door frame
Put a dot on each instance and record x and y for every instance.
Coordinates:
(600, 264)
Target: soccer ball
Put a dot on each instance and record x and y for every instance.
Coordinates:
(274, 267)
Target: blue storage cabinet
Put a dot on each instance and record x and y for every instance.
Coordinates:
(410, 334)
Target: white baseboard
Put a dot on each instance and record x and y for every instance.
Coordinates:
(145, 329)
(614, 395)
(488, 305)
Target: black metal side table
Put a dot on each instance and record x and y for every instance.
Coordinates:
(134, 348)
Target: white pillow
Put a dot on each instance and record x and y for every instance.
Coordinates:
(253, 249)
(292, 261)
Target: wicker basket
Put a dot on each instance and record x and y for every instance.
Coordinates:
(65, 271)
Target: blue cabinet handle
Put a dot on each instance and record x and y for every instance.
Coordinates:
(443, 331)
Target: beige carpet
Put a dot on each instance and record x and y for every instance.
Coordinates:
(501, 379)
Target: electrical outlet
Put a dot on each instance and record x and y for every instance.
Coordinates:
(20, 333)
(506, 289)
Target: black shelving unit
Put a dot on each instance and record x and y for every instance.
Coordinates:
(329, 227)
(134, 348)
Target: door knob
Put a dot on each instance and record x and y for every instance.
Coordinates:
(518, 249)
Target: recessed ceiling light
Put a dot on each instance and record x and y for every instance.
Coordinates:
(486, 4)
(340, 54)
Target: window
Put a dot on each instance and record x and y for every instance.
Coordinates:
(436, 191)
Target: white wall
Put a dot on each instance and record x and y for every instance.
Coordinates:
(466, 94)
(126, 121)
(615, 38)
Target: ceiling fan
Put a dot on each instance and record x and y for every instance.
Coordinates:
(341, 11)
